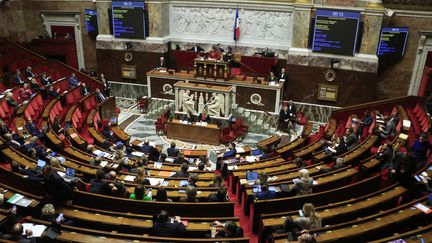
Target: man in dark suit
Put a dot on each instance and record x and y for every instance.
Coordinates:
(172, 151)
(17, 234)
(163, 227)
(351, 139)
(146, 148)
(265, 193)
(84, 90)
(283, 77)
(231, 230)
(55, 186)
(45, 80)
(73, 81)
(99, 185)
(31, 128)
(287, 117)
(17, 77)
(161, 63)
(52, 92)
(365, 122)
(29, 72)
(197, 48)
(183, 173)
(180, 159)
(99, 96)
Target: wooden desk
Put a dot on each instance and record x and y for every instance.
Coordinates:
(269, 143)
(194, 133)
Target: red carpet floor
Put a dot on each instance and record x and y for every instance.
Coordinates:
(244, 220)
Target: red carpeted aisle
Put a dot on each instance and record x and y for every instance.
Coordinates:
(244, 220)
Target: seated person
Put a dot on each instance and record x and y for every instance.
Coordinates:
(189, 117)
(106, 132)
(93, 73)
(32, 128)
(29, 73)
(57, 127)
(146, 147)
(162, 226)
(48, 213)
(183, 173)
(231, 151)
(215, 53)
(191, 194)
(203, 116)
(161, 63)
(196, 48)
(161, 195)
(111, 176)
(231, 230)
(265, 193)
(390, 129)
(3, 128)
(99, 96)
(17, 78)
(331, 167)
(140, 194)
(303, 184)
(24, 93)
(350, 138)
(45, 80)
(272, 78)
(11, 102)
(52, 92)
(310, 219)
(17, 234)
(217, 181)
(99, 185)
(34, 86)
(180, 159)
(73, 81)
(337, 148)
(385, 154)
(219, 196)
(192, 180)
(172, 151)
(155, 153)
(84, 90)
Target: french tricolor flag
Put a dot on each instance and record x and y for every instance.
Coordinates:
(237, 26)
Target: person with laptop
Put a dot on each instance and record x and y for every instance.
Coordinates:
(265, 193)
(99, 185)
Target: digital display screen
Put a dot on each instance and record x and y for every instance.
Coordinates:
(91, 21)
(335, 32)
(392, 42)
(128, 19)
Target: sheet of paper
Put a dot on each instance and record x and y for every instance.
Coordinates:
(137, 154)
(38, 230)
(103, 163)
(15, 198)
(240, 150)
(129, 178)
(155, 181)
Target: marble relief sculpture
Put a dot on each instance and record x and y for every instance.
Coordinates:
(218, 22)
(187, 101)
(216, 105)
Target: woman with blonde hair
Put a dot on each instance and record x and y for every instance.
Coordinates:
(140, 175)
(310, 219)
(303, 184)
(55, 163)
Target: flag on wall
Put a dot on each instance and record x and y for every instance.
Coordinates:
(237, 26)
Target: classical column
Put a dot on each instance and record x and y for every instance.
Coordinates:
(370, 3)
(373, 18)
(301, 19)
(102, 7)
(158, 18)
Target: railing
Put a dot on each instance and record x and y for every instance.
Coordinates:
(420, 5)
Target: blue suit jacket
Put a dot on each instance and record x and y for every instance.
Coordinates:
(32, 129)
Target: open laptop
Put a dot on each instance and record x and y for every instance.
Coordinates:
(251, 177)
(70, 174)
(256, 152)
(41, 163)
(256, 188)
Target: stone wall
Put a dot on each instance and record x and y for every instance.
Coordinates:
(21, 21)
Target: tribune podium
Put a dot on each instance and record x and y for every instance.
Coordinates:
(211, 69)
